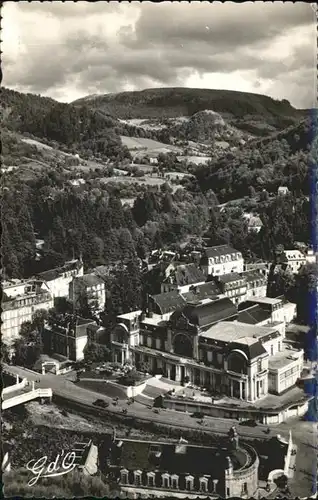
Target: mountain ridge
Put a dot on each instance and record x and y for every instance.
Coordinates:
(193, 99)
(257, 114)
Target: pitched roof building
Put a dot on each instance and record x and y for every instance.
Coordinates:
(183, 470)
(221, 259)
(181, 276)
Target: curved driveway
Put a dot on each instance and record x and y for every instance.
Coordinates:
(68, 390)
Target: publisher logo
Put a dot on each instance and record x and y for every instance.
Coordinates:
(63, 464)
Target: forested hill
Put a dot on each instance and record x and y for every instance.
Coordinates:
(283, 159)
(78, 127)
(175, 102)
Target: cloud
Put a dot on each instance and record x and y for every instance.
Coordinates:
(256, 47)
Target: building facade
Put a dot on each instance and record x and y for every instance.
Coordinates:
(293, 260)
(204, 343)
(58, 279)
(233, 286)
(90, 289)
(67, 336)
(21, 299)
(154, 469)
(256, 283)
(220, 260)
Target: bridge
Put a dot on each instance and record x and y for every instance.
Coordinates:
(22, 392)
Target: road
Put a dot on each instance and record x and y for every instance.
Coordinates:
(67, 389)
(304, 433)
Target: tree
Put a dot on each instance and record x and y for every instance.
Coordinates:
(62, 305)
(95, 353)
(251, 192)
(282, 283)
(306, 292)
(39, 318)
(28, 347)
(5, 353)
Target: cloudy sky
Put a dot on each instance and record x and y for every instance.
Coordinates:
(69, 50)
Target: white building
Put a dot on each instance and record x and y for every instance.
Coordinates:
(284, 368)
(310, 257)
(221, 259)
(58, 279)
(283, 190)
(205, 344)
(254, 224)
(294, 260)
(21, 299)
(281, 311)
(88, 287)
(77, 182)
(256, 283)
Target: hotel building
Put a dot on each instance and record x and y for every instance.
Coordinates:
(20, 300)
(204, 343)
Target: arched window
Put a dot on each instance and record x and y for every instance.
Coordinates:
(237, 362)
(182, 345)
(120, 334)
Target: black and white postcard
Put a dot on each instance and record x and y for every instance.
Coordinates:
(159, 249)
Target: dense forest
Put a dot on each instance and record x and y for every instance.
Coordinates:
(284, 159)
(79, 128)
(92, 223)
(175, 102)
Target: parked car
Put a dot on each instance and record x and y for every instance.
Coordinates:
(249, 423)
(101, 402)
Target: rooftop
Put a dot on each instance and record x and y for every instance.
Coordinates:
(219, 250)
(253, 275)
(266, 300)
(254, 315)
(231, 331)
(154, 320)
(89, 280)
(229, 277)
(283, 358)
(204, 313)
(53, 274)
(197, 293)
(177, 457)
(294, 255)
(130, 315)
(255, 222)
(168, 302)
(185, 274)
